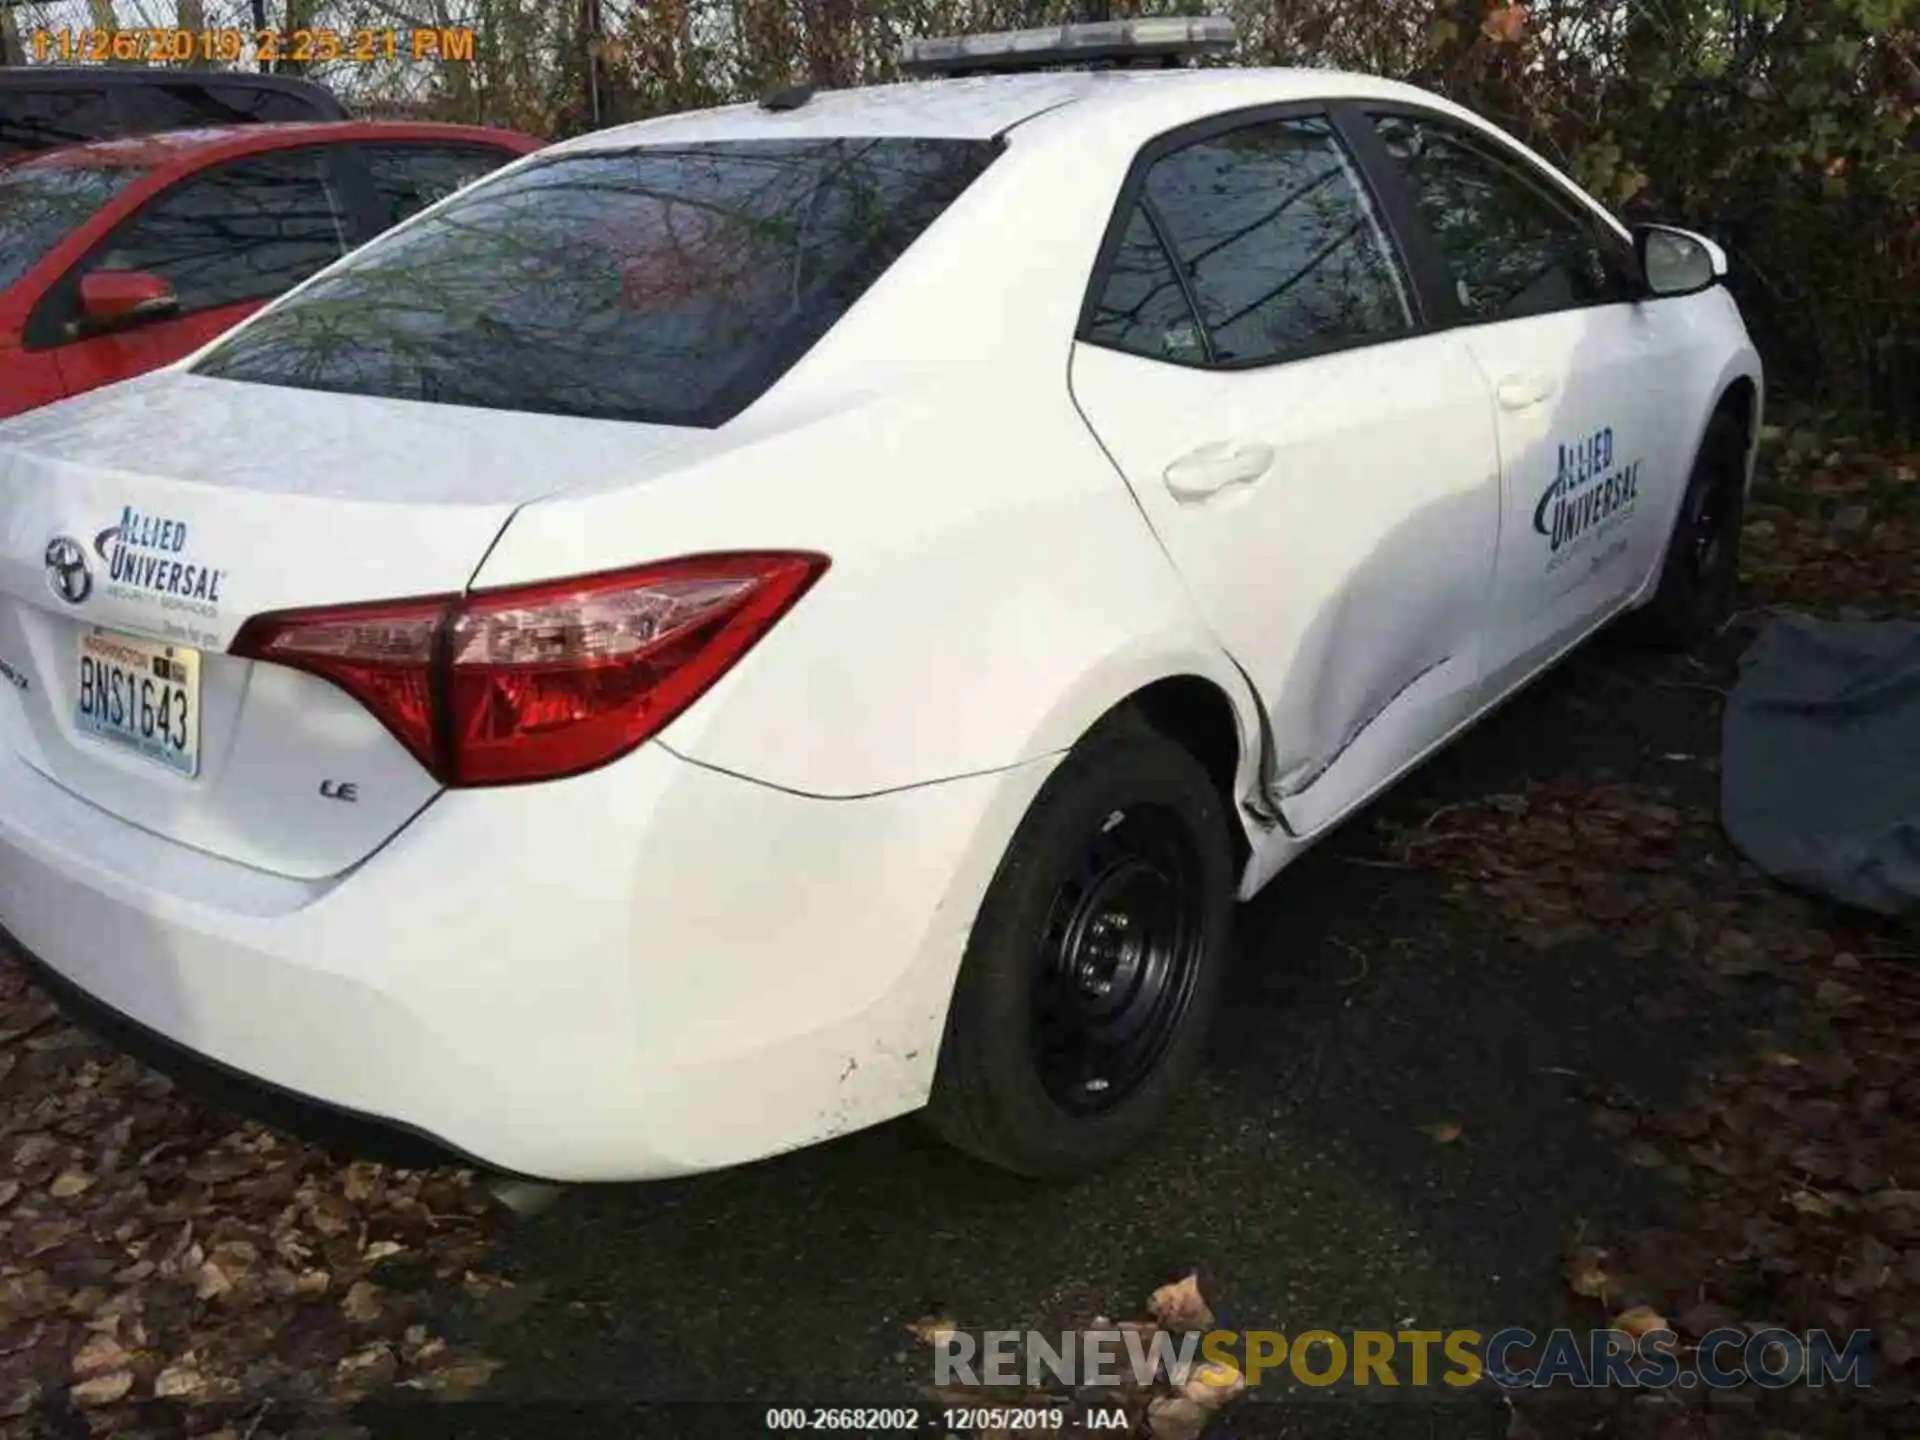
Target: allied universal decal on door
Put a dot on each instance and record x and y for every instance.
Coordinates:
(1590, 496)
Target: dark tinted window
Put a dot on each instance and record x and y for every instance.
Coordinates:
(669, 285)
(1279, 240)
(33, 118)
(40, 204)
(269, 106)
(190, 103)
(1512, 248)
(240, 231)
(408, 178)
(1141, 307)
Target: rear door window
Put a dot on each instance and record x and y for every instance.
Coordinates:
(408, 178)
(1277, 242)
(244, 230)
(1143, 307)
(667, 284)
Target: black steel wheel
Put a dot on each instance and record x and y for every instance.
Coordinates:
(1093, 968)
(1120, 957)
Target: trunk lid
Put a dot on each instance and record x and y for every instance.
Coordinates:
(142, 524)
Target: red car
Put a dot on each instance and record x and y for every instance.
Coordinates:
(120, 256)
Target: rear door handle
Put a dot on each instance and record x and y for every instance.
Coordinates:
(1216, 465)
(1522, 392)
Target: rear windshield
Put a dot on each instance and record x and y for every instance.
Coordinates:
(41, 204)
(663, 285)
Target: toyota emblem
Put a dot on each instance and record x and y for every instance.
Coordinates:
(67, 571)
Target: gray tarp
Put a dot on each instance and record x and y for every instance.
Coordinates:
(1820, 762)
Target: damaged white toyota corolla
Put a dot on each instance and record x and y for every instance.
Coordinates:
(756, 622)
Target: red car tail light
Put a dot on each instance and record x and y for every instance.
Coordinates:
(536, 682)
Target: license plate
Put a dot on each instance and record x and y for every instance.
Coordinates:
(142, 694)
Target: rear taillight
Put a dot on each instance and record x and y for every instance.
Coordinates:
(540, 681)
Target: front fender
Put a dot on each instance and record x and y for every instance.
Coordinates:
(1740, 362)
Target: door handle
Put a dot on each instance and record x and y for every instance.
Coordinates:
(1216, 465)
(1522, 392)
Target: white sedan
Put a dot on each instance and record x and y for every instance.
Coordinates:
(752, 623)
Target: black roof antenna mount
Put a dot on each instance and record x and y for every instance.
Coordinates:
(787, 97)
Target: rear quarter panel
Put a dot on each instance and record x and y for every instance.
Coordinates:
(990, 594)
(993, 587)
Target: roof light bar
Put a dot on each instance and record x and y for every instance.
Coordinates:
(1157, 40)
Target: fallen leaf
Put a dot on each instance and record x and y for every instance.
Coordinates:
(312, 1282)
(1174, 1417)
(102, 1389)
(360, 1180)
(362, 1302)
(101, 1352)
(332, 1215)
(1640, 1320)
(213, 1280)
(1833, 995)
(1213, 1383)
(1180, 1307)
(178, 1382)
(456, 1381)
(366, 1369)
(1587, 1276)
(932, 1329)
(69, 1183)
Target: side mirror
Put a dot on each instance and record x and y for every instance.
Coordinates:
(1677, 262)
(117, 299)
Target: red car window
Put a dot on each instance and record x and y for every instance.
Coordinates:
(245, 230)
(41, 204)
(408, 177)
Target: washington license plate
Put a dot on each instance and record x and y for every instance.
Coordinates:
(142, 694)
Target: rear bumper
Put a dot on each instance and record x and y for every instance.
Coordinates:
(650, 970)
(346, 1133)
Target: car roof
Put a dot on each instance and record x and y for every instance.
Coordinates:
(41, 77)
(214, 142)
(985, 106)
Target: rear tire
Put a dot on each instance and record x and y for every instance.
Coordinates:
(1702, 564)
(1092, 973)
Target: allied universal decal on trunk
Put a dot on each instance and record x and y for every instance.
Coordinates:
(1589, 497)
(147, 557)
